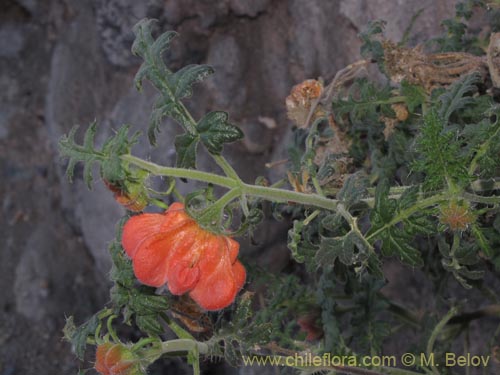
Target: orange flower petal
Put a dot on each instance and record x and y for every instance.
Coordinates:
(138, 228)
(216, 288)
(175, 216)
(239, 274)
(234, 248)
(151, 260)
(100, 355)
(182, 277)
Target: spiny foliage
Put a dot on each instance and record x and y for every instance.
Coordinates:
(440, 159)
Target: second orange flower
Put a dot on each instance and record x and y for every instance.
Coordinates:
(171, 248)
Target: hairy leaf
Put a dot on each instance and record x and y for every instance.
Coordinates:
(215, 130)
(185, 147)
(77, 336)
(182, 80)
(414, 95)
(454, 98)
(111, 167)
(395, 223)
(440, 156)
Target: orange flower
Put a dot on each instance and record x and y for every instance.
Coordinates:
(116, 359)
(171, 248)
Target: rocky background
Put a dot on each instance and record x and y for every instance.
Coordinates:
(67, 62)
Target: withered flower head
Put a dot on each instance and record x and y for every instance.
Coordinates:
(298, 103)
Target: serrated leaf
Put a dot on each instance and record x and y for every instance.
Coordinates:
(408, 198)
(162, 108)
(142, 30)
(162, 43)
(181, 81)
(75, 153)
(350, 249)
(396, 239)
(108, 156)
(396, 243)
(78, 336)
(215, 130)
(140, 75)
(371, 47)
(414, 95)
(482, 241)
(185, 147)
(454, 98)
(440, 155)
(121, 271)
(365, 100)
(354, 189)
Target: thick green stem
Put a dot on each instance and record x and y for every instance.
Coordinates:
(192, 174)
(226, 167)
(183, 345)
(270, 193)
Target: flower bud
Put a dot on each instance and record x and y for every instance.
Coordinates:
(116, 359)
(456, 215)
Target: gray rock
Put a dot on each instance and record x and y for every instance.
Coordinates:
(30, 5)
(115, 19)
(11, 40)
(4, 130)
(248, 8)
(398, 15)
(77, 92)
(226, 85)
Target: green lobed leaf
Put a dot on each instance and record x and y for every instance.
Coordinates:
(77, 336)
(482, 241)
(365, 102)
(414, 95)
(455, 96)
(85, 153)
(354, 189)
(215, 130)
(347, 249)
(371, 47)
(185, 146)
(111, 167)
(181, 81)
(397, 235)
(397, 243)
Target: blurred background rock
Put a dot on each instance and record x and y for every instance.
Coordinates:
(67, 62)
